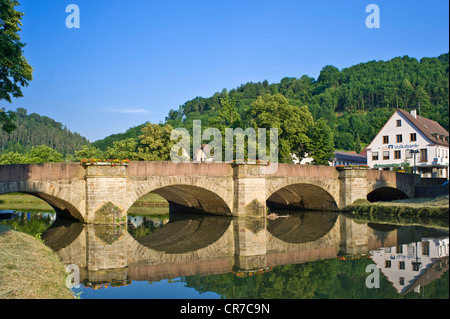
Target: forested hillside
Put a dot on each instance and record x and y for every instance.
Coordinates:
(133, 132)
(35, 130)
(340, 110)
(355, 102)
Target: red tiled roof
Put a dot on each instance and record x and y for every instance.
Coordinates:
(427, 127)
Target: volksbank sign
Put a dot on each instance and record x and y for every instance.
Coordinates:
(400, 147)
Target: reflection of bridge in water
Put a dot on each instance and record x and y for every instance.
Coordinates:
(205, 245)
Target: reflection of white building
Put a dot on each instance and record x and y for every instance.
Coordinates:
(402, 135)
(405, 264)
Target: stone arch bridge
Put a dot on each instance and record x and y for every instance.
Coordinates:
(104, 193)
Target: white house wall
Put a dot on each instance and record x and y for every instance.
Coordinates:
(436, 154)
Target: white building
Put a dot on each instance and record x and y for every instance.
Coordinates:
(406, 137)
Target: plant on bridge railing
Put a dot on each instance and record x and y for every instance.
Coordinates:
(251, 161)
(98, 161)
(352, 167)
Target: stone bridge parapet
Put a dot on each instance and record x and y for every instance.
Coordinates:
(103, 193)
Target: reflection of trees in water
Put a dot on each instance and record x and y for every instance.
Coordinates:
(30, 223)
(325, 279)
(141, 226)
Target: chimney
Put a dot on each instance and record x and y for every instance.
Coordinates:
(414, 113)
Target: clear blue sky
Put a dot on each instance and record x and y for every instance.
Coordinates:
(132, 61)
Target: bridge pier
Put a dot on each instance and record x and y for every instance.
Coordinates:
(354, 237)
(105, 192)
(249, 191)
(352, 185)
(250, 251)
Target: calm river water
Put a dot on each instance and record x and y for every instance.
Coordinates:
(300, 255)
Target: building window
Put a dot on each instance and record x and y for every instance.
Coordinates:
(413, 137)
(399, 138)
(385, 139)
(375, 156)
(387, 264)
(416, 266)
(423, 155)
(401, 265)
(401, 281)
(397, 155)
(385, 155)
(426, 248)
(399, 122)
(446, 154)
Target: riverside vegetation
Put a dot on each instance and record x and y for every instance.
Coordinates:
(405, 211)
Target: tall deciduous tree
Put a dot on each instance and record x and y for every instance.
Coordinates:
(15, 72)
(274, 111)
(321, 143)
(155, 142)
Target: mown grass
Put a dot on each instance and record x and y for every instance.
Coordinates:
(19, 201)
(29, 269)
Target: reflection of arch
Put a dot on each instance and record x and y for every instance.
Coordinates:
(193, 199)
(62, 233)
(386, 228)
(186, 232)
(301, 227)
(386, 194)
(302, 196)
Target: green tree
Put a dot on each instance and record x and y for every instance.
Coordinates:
(15, 72)
(12, 158)
(292, 122)
(43, 154)
(124, 149)
(155, 142)
(321, 143)
(89, 152)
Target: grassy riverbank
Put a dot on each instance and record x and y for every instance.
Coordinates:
(149, 204)
(19, 201)
(414, 207)
(29, 269)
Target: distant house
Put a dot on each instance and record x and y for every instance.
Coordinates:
(202, 154)
(340, 158)
(348, 158)
(305, 160)
(409, 138)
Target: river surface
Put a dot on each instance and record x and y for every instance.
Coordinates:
(292, 255)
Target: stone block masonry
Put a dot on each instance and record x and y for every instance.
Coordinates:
(102, 194)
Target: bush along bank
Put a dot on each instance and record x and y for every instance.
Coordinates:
(413, 209)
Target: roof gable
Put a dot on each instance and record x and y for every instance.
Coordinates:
(427, 127)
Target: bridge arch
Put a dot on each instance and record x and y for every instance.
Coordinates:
(63, 201)
(385, 194)
(301, 195)
(186, 197)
